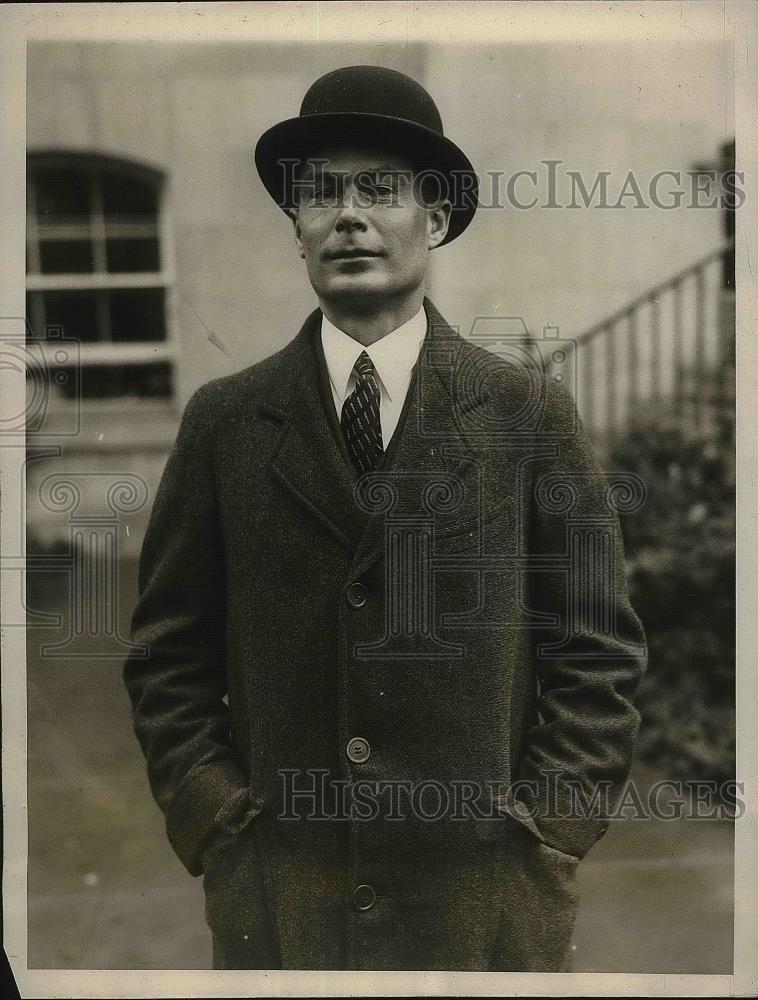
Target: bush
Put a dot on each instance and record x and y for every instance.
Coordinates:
(680, 551)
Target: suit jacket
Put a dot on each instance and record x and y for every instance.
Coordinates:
(414, 643)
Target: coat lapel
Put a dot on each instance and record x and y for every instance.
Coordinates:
(431, 470)
(308, 461)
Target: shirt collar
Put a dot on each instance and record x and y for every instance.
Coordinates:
(393, 356)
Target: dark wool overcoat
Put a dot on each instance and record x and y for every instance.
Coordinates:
(336, 682)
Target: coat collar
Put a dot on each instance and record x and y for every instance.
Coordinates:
(432, 459)
(393, 356)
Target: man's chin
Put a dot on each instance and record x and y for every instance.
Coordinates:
(355, 290)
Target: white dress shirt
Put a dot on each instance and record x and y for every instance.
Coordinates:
(393, 358)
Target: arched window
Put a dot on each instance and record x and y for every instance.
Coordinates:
(97, 273)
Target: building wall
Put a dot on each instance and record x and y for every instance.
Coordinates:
(642, 106)
(195, 111)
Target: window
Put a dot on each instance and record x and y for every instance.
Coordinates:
(97, 273)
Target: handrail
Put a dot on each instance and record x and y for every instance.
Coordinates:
(653, 293)
(659, 350)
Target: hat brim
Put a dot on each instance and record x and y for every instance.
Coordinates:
(297, 138)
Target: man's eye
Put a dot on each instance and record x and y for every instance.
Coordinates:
(323, 196)
(377, 192)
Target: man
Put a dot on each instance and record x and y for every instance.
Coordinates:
(368, 678)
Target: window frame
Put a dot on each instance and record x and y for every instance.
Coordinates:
(107, 353)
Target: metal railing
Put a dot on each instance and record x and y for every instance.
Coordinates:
(669, 351)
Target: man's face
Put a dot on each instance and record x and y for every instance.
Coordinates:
(363, 235)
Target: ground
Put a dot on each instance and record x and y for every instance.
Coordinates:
(105, 890)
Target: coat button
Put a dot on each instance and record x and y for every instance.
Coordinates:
(356, 595)
(364, 897)
(358, 750)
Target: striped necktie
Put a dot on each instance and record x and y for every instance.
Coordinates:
(360, 418)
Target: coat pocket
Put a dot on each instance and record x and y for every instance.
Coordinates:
(490, 531)
(232, 819)
(236, 903)
(563, 856)
(535, 885)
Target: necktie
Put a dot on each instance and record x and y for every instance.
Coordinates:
(360, 418)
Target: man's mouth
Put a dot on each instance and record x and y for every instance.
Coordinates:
(351, 254)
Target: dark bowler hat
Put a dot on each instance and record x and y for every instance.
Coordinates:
(370, 105)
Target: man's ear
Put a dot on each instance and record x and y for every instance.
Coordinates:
(294, 215)
(439, 220)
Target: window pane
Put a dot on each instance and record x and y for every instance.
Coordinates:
(128, 196)
(110, 381)
(63, 381)
(68, 239)
(132, 255)
(65, 256)
(152, 381)
(62, 196)
(137, 314)
(76, 312)
(35, 325)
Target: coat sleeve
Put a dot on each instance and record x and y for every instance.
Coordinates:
(590, 650)
(175, 673)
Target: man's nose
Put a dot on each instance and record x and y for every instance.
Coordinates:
(351, 215)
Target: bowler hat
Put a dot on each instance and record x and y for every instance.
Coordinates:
(374, 106)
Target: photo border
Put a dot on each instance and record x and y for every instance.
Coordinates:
(530, 21)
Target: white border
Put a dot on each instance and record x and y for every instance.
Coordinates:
(407, 22)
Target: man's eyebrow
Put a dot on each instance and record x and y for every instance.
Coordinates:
(364, 174)
(387, 169)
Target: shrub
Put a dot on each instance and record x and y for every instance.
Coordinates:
(680, 549)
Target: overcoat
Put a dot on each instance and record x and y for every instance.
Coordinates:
(335, 683)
